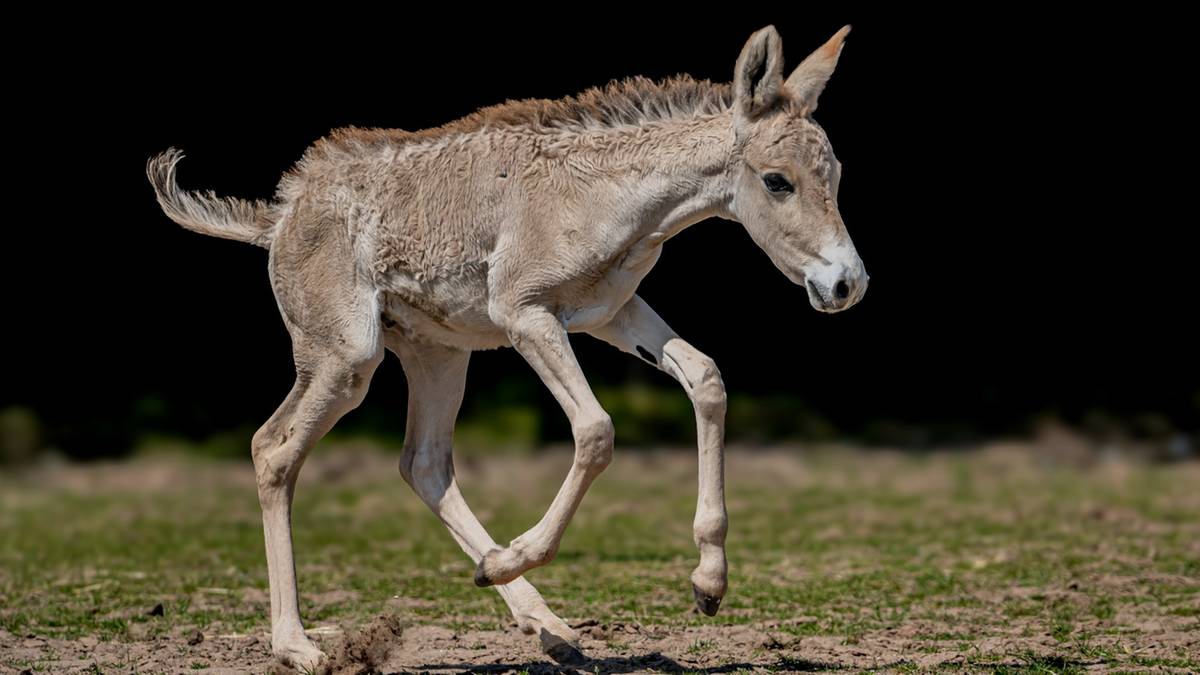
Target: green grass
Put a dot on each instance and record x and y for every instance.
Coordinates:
(953, 549)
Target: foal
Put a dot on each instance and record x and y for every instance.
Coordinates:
(515, 226)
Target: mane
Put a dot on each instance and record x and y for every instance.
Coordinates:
(629, 101)
(624, 102)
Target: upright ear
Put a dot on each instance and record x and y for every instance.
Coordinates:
(809, 78)
(758, 76)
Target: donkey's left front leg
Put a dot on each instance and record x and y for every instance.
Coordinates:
(542, 340)
(639, 330)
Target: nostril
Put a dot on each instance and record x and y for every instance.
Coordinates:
(842, 291)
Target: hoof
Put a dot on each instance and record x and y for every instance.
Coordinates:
(567, 654)
(707, 604)
(497, 567)
(481, 577)
(304, 657)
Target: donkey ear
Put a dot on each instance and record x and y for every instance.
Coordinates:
(758, 76)
(809, 78)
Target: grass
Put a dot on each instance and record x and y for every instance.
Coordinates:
(952, 554)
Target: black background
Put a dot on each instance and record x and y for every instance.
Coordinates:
(1008, 181)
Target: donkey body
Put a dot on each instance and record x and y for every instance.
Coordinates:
(516, 226)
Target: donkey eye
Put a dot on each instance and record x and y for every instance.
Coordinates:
(777, 183)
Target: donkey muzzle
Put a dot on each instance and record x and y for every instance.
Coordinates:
(835, 287)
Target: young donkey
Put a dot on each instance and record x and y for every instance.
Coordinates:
(517, 225)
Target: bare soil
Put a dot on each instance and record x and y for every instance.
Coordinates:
(973, 633)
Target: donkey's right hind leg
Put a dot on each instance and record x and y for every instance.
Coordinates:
(436, 379)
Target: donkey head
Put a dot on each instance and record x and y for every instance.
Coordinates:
(785, 176)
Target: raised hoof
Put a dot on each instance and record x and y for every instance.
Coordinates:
(481, 577)
(706, 603)
(567, 654)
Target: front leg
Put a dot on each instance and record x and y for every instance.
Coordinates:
(639, 330)
(542, 340)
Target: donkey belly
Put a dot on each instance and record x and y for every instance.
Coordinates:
(450, 311)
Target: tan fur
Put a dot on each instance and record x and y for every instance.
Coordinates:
(515, 226)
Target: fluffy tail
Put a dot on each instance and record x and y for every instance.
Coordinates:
(206, 213)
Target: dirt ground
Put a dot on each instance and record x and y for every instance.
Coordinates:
(391, 645)
(1150, 625)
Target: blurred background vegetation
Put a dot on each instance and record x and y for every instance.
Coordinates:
(517, 415)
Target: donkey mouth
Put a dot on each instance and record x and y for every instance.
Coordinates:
(816, 297)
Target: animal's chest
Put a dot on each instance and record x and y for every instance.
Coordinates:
(592, 304)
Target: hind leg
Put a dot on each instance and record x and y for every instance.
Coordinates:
(333, 320)
(436, 378)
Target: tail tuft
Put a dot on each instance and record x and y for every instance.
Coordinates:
(206, 213)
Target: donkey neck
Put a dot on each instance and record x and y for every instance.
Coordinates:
(678, 170)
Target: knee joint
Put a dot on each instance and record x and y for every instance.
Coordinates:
(594, 443)
(272, 466)
(709, 393)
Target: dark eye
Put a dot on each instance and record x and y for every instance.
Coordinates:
(777, 183)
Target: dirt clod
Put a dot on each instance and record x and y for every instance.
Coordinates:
(367, 650)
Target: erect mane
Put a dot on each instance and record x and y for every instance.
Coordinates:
(629, 101)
